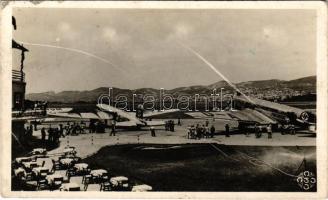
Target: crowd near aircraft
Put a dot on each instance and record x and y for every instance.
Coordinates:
(258, 111)
(103, 112)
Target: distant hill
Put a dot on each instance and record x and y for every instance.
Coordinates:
(305, 84)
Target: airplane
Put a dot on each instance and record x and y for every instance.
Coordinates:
(258, 111)
(278, 113)
(261, 112)
(104, 112)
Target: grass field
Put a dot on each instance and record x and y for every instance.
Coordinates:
(202, 167)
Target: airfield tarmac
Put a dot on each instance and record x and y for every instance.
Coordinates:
(88, 144)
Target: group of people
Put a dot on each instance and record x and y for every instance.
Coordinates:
(258, 130)
(96, 126)
(169, 125)
(200, 131)
(288, 129)
(53, 134)
(27, 133)
(75, 128)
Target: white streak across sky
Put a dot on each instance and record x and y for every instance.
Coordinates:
(77, 51)
(215, 70)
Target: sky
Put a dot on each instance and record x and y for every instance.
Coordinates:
(136, 48)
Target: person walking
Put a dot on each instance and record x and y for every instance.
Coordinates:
(113, 132)
(227, 130)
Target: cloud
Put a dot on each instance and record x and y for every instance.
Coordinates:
(112, 36)
(180, 32)
(66, 31)
(109, 34)
(64, 27)
(275, 35)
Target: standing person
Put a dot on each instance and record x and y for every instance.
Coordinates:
(269, 129)
(35, 106)
(56, 135)
(74, 128)
(67, 127)
(43, 136)
(189, 132)
(27, 132)
(198, 131)
(203, 131)
(292, 129)
(35, 125)
(152, 130)
(257, 131)
(246, 133)
(206, 123)
(112, 133)
(212, 131)
(50, 135)
(61, 130)
(207, 132)
(227, 130)
(30, 133)
(91, 126)
(179, 122)
(192, 133)
(45, 106)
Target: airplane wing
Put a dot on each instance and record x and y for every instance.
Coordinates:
(89, 115)
(65, 115)
(249, 115)
(58, 110)
(156, 112)
(155, 123)
(82, 115)
(104, 115)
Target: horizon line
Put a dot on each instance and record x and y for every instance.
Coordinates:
(56, 92)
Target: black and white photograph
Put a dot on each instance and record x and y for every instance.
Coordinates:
(164, 99)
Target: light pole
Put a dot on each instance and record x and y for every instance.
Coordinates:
(221, 98)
